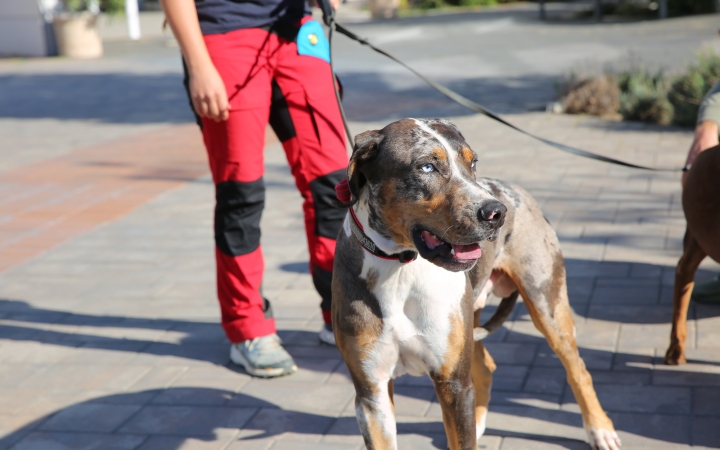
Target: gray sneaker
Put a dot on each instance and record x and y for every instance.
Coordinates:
(263, 357)
(326, 335)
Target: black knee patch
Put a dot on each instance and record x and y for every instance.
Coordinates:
(328, 217)
(267, 309)
(322, 279)
(280, 119)
(237, 216)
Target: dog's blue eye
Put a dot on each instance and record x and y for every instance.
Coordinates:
(472, 164)
(427, 168)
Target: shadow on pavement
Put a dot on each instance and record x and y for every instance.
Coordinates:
(372, 96)
(144, 98)
(167, 418)
(643, 397)
(105, 97)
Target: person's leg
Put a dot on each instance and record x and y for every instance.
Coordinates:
(235, 150)
(307, 120)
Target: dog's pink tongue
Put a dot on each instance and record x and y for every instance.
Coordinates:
(470, 251)
(430, 240)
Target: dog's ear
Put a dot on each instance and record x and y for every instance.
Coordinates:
(365, 150)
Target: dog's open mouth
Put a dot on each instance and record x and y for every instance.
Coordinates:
(449, 255)
(464, 252)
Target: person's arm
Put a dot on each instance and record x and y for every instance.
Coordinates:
(207, 90)
(706, 131)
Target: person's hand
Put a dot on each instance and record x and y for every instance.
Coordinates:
(208, 94)
(706, 136)
(334, 3)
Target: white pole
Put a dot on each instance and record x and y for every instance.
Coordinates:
(133, 19)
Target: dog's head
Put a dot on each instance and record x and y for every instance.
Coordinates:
(419, 179)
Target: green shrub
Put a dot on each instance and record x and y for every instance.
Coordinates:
(688, 90)
(107, 6)
(643, 96)
(478, 2)
(112, 6)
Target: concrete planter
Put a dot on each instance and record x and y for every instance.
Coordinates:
(77, 35)
(384, 9)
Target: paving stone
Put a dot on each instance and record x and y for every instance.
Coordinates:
(408, 400)
(641, 399)
(510, 443)
(292, 425)
(85, 377)
(546, 380)
(291, 395)
(705, 432)
(509, 378)
(633, 291)
(292, 445)
(594, 358)
(345, 430)
(192, 396)
(649, 335)
(78, 441)
(90, 418)
(652, 430)
(190, 421)
(621, 377)
(181, 443)
(634, 359)
(536, 400)
(534, 422)
(686, 377)
(511, 353)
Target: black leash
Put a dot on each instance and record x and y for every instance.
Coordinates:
(329, 19)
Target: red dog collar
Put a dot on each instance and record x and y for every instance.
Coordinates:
(342, 191)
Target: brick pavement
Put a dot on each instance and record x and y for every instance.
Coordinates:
(110, 339)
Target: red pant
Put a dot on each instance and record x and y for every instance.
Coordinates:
(267, 81)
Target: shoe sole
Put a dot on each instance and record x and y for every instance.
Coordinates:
(238, 359)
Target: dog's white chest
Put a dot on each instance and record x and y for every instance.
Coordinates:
(419, 302)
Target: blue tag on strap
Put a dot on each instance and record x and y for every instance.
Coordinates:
(311, 41)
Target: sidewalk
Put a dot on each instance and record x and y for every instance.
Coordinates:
(109, 339)
(109, 335)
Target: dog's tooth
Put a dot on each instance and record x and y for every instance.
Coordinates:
(452, 251)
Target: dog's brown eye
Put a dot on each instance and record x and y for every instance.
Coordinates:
(428, 168)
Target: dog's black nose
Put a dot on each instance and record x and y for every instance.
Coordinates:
(493, 211)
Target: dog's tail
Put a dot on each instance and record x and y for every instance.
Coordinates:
(501, 314)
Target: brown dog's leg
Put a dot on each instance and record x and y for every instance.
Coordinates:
(541, 280)
(483, 367)
(684, 283)
(457, 400)
(454, 387)
(559, 330)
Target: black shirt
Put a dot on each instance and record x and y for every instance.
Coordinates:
(222, 16)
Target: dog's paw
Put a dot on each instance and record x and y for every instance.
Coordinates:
(674, 356)
(603, 439)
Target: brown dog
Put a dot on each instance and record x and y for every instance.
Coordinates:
(701, 203)
(424, 243)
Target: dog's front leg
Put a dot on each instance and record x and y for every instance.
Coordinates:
(375, 414)
(456, 396)
(483, 367)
